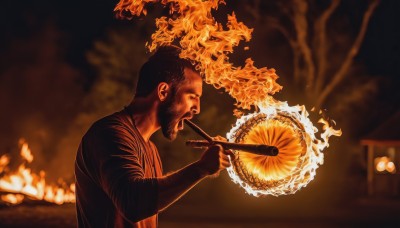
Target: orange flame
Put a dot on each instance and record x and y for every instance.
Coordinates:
(4, 160)
(203, 40)
(23, 183)
(279, 174)
(25, 151)
(12, 198)
(208, 43)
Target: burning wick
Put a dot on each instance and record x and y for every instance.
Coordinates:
(259, 149)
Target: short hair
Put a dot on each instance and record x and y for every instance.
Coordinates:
(164, 65)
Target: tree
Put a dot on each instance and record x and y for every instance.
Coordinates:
(116, 61)
(318, 63)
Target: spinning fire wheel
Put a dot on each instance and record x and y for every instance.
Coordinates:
(275, 175)
(256, 139)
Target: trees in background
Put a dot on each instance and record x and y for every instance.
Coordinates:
(323, 40)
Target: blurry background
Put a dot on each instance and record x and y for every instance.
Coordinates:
(65, 64)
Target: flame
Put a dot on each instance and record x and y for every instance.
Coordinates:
(24, 183)
(204, 41)
(281, 135)
(4, 160)
(300, 151)
(12, 198)
(25, 151)
(208, 43)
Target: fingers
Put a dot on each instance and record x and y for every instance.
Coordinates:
(224, 159)
(216, 148)
(229, 153)
(225, 164)
(220, 138)
(216, 158)
(226, 155)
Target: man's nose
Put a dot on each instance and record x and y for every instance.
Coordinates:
(196, 107)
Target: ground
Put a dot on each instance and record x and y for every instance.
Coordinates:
(360, 213)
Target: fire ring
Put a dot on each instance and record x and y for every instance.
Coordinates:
(259, 174)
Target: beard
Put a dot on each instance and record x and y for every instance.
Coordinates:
(169, 117)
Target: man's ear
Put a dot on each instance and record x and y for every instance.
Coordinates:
(163, 91)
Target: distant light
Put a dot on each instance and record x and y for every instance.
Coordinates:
(380, 167)
(384, 164)
(390, 167)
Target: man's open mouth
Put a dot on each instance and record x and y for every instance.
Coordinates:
(180, 124)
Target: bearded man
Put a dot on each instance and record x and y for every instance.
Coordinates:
(119, 179)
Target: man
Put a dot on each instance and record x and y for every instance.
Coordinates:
(119, 180)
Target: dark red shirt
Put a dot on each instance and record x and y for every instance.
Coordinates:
(115, 171)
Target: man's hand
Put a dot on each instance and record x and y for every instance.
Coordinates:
(215, 159)
(220, 138)
(173, 186)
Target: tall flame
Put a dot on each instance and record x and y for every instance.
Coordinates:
(24, 183)
(208, 43)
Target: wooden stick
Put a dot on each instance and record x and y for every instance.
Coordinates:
(198, 130)
(260, 149)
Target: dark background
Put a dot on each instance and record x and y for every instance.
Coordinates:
(65, 64)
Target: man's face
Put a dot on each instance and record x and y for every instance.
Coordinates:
(182, 104)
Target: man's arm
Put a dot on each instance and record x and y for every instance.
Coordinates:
(121, 176)
(175, 185)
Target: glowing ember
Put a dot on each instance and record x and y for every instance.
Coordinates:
(23, 182)
(207, 43)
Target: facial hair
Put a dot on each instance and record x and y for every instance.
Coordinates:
(166, 115)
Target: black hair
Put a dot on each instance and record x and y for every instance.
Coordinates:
(164, 65)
